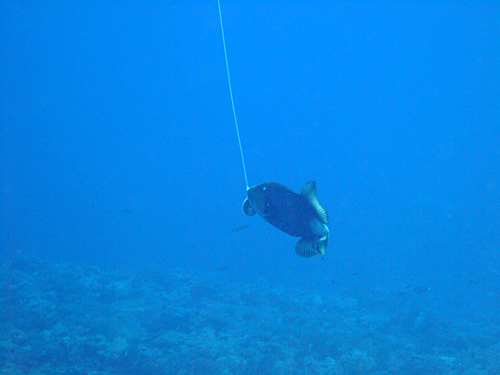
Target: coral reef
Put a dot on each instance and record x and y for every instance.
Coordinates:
(64, 318)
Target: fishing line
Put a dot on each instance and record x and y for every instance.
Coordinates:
(232, 100)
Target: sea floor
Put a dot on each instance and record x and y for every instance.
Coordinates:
(70, 319)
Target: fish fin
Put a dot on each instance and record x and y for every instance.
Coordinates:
(308, 247)
(309, 192)
(247, 208)
(321, 245)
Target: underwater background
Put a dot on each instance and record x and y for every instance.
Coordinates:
(123, 244)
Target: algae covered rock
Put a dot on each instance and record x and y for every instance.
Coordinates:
(357, 362)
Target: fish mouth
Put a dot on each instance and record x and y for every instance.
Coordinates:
(247, 208)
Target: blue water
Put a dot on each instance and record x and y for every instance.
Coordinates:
(118, 146)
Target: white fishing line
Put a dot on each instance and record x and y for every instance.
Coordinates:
(232, 100)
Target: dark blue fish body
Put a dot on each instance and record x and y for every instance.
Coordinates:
(299, 215)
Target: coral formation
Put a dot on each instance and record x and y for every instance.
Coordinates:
(63, 318)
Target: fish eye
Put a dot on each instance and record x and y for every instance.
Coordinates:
(264, 188)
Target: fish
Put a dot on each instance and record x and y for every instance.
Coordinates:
(298, 215)
(419, 290)
(240, 227)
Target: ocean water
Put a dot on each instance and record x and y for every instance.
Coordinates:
(123, 244)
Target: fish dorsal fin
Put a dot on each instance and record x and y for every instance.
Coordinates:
(309, 192)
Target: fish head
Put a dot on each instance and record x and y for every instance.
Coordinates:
(258, 199)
